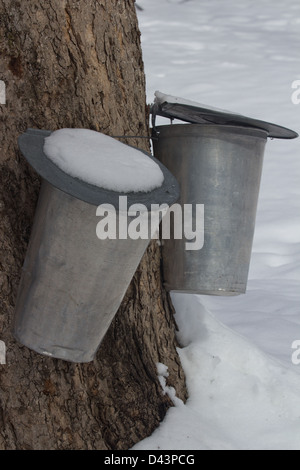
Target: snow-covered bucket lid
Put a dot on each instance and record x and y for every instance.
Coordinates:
(173, 107)
(139, 176)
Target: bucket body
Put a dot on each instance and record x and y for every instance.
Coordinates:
(75, 276)
(219, 166)
(72, 283)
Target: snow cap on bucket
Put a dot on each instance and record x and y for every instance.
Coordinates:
(33, 144)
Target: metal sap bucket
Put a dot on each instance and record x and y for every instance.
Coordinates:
(72, 283)
(219, 166)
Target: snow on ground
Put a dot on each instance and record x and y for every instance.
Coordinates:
(239, 397)
(236, 351)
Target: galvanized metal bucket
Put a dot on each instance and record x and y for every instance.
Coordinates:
(73, 283)
(219, 166)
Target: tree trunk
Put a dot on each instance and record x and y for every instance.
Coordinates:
(77, 63)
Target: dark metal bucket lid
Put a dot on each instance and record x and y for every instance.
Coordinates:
(205, 115)
(31, 144)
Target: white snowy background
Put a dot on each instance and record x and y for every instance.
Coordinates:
(244, 390)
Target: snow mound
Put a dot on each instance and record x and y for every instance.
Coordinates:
(102, 161)
(239, 397)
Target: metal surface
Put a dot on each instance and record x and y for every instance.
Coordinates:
(220, 167)
(202, 115)
(72, 283)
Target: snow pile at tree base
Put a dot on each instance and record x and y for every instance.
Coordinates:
(239, 397)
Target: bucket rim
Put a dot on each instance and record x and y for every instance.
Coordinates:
(31, 144)
(217, 129)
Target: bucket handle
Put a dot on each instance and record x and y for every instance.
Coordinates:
(154, 111)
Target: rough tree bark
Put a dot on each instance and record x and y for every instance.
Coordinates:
(77, 63)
